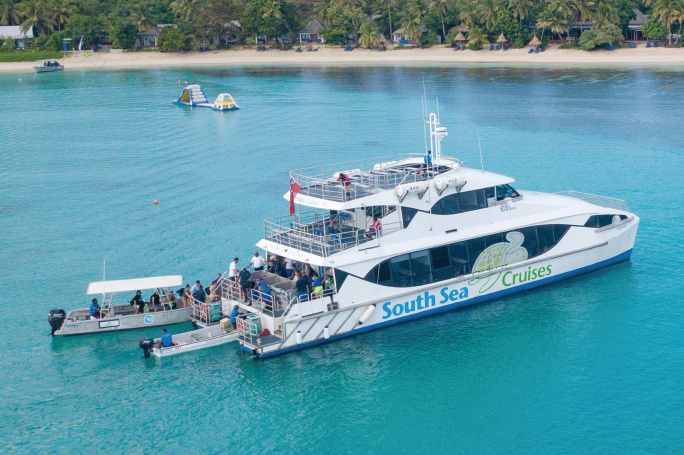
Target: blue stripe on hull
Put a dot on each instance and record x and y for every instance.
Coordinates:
(590, 268)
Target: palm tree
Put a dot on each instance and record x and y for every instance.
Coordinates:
(489, 10)
(666, 12)
(410, 20)
(563, 7)
(442, 7)
(520, 8)
(34, 16)
(555, 22)
(584, 10)
(187, 10)
(679, 16)
(9, 14)
(321, 8)
(478, 37)
(141, 18)
(272, 10)
(605, 14)
(369, 35)
(61, 10)
(468, 13)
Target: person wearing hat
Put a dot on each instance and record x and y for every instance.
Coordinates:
(233, 316)
(138, 303)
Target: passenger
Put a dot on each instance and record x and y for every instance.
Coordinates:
(171, 301)
(302, 285)
(333, 228)
(289, 271)
(427, 159)
(138, 303)
(317, 286)
(95, 309)
(199, 294)
(155, 301)
(244, 279)
(282, 270)
(375, 228)
(257, 262)
(344, 180)
(196, 286)
(233, 316)
(219, 280)
(233, 270)
(185, 296)
(270, 266)
(166, 339)
(265, 293)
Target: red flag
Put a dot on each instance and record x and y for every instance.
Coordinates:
(294, 189)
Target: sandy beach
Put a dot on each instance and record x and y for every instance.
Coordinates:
(337, 56)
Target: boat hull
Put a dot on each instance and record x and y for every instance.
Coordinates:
(195, 340)
(607, 249)
(129, 322)
(48, 69)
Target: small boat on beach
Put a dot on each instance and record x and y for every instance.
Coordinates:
(194, 96)
(124, 316)
(203, 338)
(48, 66)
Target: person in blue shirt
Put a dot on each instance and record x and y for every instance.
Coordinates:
(265, 291)
(95, 309)
(244, 277)
(427, 159)
(302, 285)
(166, 339)
(233, 316)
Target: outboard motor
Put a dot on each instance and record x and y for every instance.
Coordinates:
(146, 345)
(56, 319)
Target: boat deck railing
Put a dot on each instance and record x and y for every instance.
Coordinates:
(366, 177)
(310, 232)
(602, 201)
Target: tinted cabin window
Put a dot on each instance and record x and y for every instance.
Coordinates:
(407, 214)
(401, 270)
(489, 192)
(475, 247)
(458, 254)
(448, 205)
(421, 267)
(530, 242)
(592, 222)
(504, 191)
(492, 239)
(468, 201)
(599, 221)
(340, 276)
(441, 265)
(545, 236)
(384, 274)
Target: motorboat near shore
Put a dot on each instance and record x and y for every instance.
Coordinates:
(48, 66)
(206, 337)
(123, 316)
(194, 96)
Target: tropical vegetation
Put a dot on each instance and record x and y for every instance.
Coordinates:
(190, 23)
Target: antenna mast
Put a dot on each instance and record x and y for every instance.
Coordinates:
(480, 147)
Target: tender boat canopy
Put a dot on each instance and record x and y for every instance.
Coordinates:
(108, 287)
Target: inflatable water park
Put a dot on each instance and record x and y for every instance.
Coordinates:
(194, 96)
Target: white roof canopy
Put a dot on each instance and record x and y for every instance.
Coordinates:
(154, 282)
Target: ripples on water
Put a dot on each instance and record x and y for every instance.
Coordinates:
(589, 364)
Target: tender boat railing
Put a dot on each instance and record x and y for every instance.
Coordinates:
(366, 177)
(602, 201)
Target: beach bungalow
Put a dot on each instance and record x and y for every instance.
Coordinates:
(399, 36)
(148, 38)
(635, 25)
(310, 33)
(14, 32)
(462, 28)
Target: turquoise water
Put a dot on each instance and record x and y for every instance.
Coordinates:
(591, 364)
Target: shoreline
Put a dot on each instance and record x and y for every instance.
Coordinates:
(438, 56)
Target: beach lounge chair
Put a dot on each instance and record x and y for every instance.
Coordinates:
(383, 49)
(543, 48)
(497, 48)
(536, 50)
(655, 44)
(463, 47)
(618, 45)
(299, 49)
(648, 44)
(531, 51)
(505, 48)
(491, 47)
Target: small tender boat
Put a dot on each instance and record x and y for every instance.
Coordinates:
(194, 96)
(48, 66)
(203, 338)
(122, 317)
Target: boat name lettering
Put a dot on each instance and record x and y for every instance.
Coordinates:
(513, 278)
(424, 301)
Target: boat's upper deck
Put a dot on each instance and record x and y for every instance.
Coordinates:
(367, 177)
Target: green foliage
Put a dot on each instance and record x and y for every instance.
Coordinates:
(90, 28)
(510, 27)
(8, 45)
(473, 47)
(335, 35)
(625, 9)
(606, 34)
(123, 35)
(174, 39)
(27, 56)
(54, 43)
(271, 18)
(653, 29)
(429, 39)
(368, 35)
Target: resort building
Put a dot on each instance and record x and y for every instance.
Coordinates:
(14, 32)
(149, 37)
(400, 37)
(635, 25)
(310, 33)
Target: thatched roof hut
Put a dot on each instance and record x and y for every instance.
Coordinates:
(535, 41)
(501, 39)
(463, 28)
(460, 37)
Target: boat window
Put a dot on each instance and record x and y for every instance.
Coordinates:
(461, 202)
(457, 259)
(592, 222)
(599, 221)
(340, 276)
(401, 270)
(489, 192)
(504, 191)
(448, 205)
(468, 201)
(407, 214)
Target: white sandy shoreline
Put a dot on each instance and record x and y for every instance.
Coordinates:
(440, 56)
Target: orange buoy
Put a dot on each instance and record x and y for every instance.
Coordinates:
(19, 80)
(155, 202)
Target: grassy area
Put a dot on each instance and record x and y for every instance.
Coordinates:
(28, 56)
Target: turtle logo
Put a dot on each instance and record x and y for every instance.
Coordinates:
(498, 256)
(149, 319)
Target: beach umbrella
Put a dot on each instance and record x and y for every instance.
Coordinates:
(382, 39)
(460, 37)
(462, 28)
(501, 39)
(535, 41)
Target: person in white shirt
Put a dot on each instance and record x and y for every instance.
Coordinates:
(257, 261)
(288, 267)
(233, 270)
